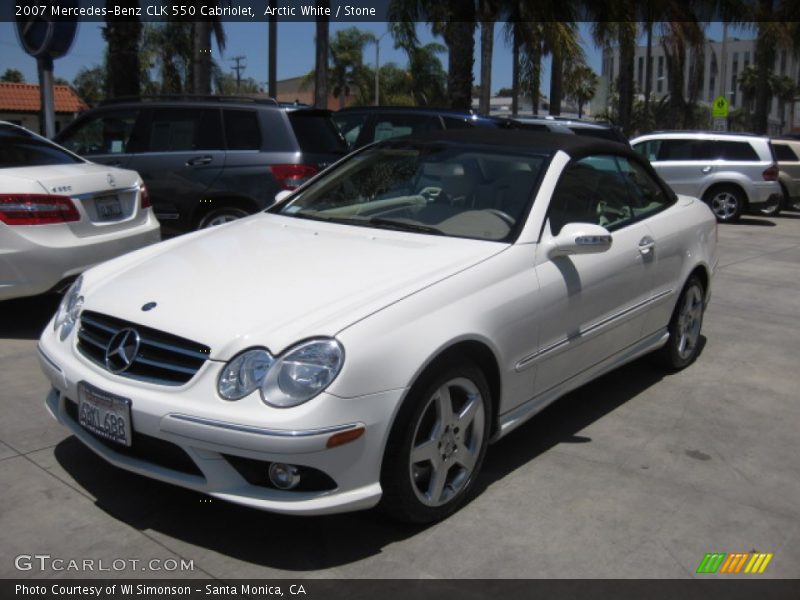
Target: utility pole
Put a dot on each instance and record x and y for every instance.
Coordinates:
(238, 68)
(272, 76)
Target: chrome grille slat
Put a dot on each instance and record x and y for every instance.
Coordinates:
(162, 358)
(176, 349)
(85, 336)
(166, 366)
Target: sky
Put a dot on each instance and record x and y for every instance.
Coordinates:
(295, 50)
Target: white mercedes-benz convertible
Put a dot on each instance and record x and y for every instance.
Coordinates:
(363, 341)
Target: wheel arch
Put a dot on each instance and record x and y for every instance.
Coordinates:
(734, 183)
(477, 352)
(207, 204)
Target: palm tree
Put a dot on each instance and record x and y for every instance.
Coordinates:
(168, 47)
(488, 11)
(678, 36)
(123, 35)
(201, 51)
(531, 62)
(580, 83)
(563, 42)
(347, 66)
(454, 20)
(785, 90)
(621, 30)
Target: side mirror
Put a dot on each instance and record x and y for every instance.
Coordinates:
(580, 238)
(281, 195)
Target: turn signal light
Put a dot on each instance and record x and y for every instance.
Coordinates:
(345, 437)
(36, 209)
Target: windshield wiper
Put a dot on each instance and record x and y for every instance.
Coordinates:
(404, 226)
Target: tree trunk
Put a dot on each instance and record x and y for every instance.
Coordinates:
(648, 70)
(201, 53)
(122, 65)
(460, 39)
(321, 61)
(487, 47)
(515, 46)
(627, 48)
(536, 75)
(765, 58)
(272, 67)
(556, 80)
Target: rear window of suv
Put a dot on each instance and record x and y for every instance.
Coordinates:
(693, 149)
(316, 132)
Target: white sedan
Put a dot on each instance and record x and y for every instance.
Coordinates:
(60, 214)
(363, 341)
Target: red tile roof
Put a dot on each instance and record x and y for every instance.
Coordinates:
(24, 97)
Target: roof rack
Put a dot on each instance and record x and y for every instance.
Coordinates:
(437, 109)
(191, 98)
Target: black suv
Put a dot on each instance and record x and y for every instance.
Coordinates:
(208, 160)
(362, 125)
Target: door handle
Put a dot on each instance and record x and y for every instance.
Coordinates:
(198, 160)
(706, 170)
(646, 245)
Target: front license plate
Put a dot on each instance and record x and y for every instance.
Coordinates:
(108, 208)
(104, 414)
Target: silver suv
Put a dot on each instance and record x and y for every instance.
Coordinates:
(732, 173)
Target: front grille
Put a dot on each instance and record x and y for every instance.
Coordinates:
(162, 358)
(145, 448)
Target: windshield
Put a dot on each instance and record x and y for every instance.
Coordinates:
(437, 189)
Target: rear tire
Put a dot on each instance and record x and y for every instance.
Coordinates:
(437, 444)
(727, 202)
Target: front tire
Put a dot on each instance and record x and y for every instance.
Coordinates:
(726, 201)
(683, 345)
(437, 445)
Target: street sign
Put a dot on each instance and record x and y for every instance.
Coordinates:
(719, 108)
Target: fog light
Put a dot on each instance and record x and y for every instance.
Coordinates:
(284, 477)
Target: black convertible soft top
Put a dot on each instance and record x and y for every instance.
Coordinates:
(539, 142)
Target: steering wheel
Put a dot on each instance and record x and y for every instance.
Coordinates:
(503, 216)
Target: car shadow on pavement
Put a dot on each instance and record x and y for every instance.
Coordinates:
(25, 318)
(303, 544)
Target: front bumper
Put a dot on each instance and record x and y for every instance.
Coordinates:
(211, 435)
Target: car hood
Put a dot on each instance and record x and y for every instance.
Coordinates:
(270, 280)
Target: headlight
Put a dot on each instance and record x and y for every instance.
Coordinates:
(291, 379)
(69, 309)
(302, 373)
(244, 374)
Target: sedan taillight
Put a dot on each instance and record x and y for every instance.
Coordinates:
(36, 209)
(771, 174)
(144, 197)
(291, 177)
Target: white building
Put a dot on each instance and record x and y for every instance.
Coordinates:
(720, 75)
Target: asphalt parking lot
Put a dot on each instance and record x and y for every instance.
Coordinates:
(637, 475)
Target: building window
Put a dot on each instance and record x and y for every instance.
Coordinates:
(734, 73)
(746, 59)
(783, 62)
(660, 75)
